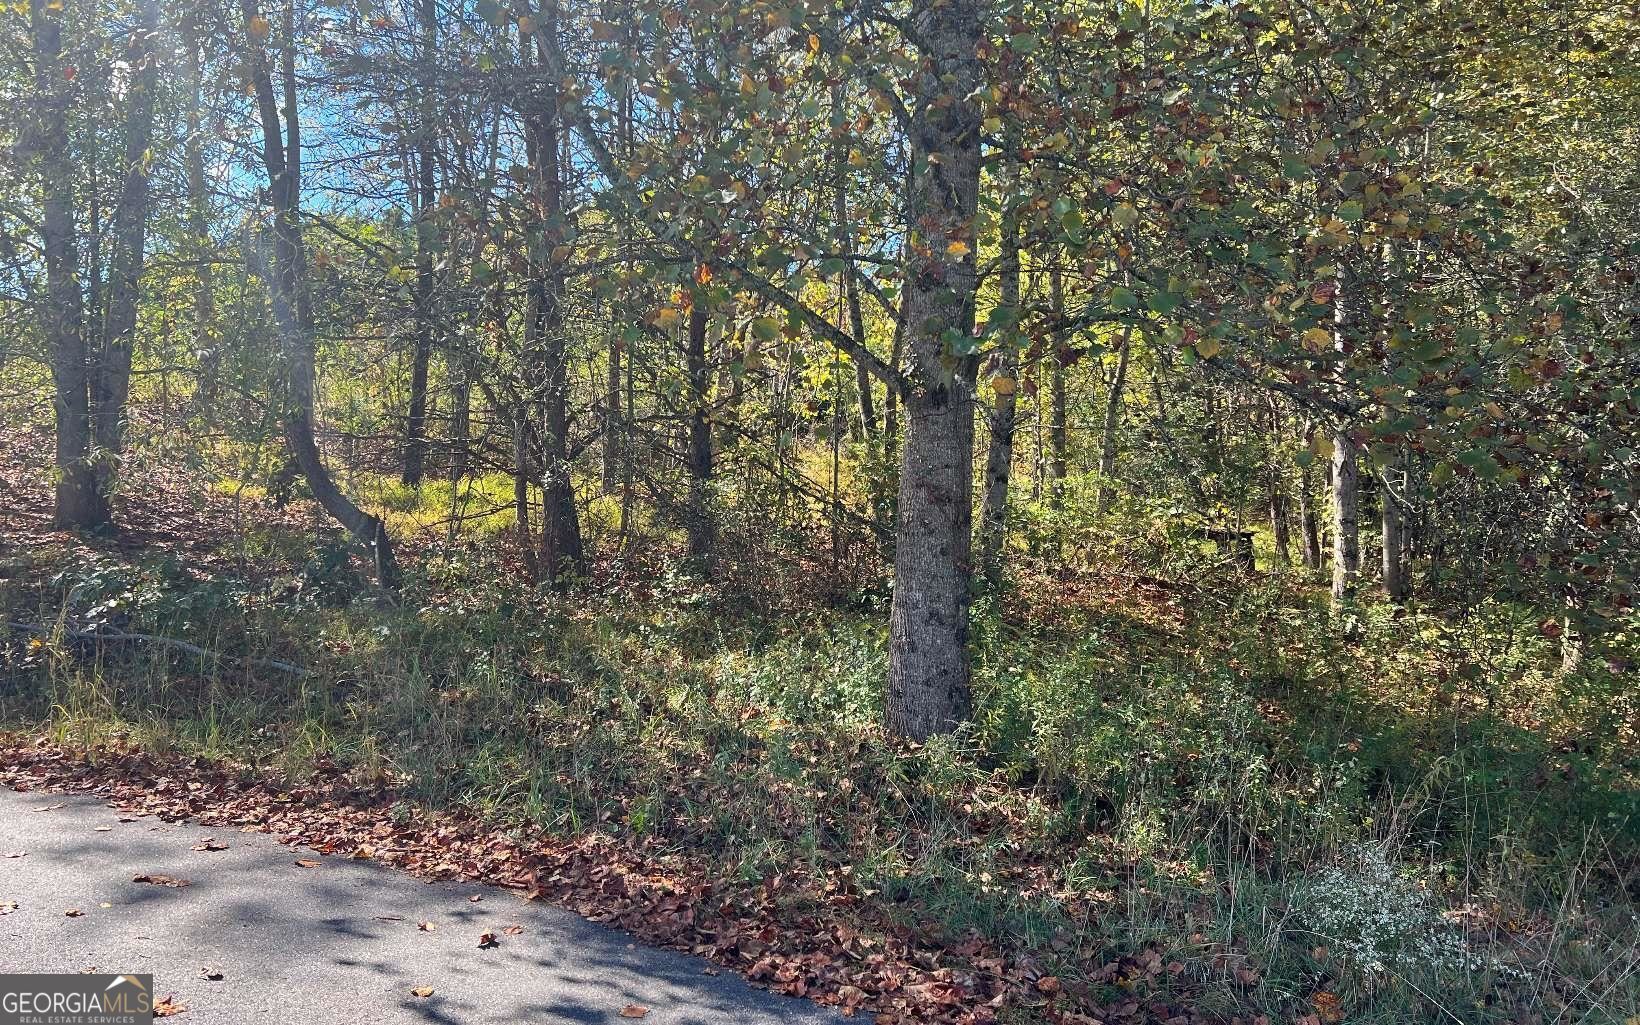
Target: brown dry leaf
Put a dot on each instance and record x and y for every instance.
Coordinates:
(159, 880)
(210, 974)
(102, 829)
(634, 1011)
(14, 854)
(1048, 984)
(8, 906)
(168, 1006)
(426, 926)
(513, 930)
(209, 843)
(422, 991)
(306, 863)
(475, 898)
(1328, 1007)
(487, 940)
(73, 912)
(49, 807)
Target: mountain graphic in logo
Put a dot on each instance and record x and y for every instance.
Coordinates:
(122, 979)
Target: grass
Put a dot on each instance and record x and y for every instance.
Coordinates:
(1161, 782)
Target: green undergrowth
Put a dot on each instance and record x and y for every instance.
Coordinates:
(1232, 775)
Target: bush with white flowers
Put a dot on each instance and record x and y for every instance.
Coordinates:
(1381, 920)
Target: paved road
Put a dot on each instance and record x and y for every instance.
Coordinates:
(338, 943)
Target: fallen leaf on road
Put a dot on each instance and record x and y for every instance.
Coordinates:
(486, 940)
(49, 807)
(16, 854)
(73, 912)
(105, 904)
(513, 930)
(422, 991)
(102, 829)
(7, 907)
(634, 1011)
(210, 975)
(159, 880)
(209, 844)
(168, 1006)
(475, 898)
(306, 863)
(426, 926)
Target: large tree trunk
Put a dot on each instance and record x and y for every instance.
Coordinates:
(699, 512)
(78, 500)
(999, 455)
(286, 278)
(928, 679)
(1108, 447)
(111, 385)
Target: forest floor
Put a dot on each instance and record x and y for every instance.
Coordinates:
(1188, 796)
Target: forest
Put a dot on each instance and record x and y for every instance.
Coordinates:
(1036, 512)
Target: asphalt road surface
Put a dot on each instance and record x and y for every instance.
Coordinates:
(337, 943)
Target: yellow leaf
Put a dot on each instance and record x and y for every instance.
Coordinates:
(1002, 384)
(957, 250)
(1317, 339)
(1207, 347)
(667, 318)
(258, 28)
(526, 25)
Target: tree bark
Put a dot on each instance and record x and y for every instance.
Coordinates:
(78, 499)
(929, 689)
(286, 278)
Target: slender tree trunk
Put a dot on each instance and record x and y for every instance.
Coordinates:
(701, 530)
(207, 340)
(286, 277)
(1058, 430)
(1394, 558)
(1279, 526)
(1345, 510)
(1113, 422)
(426, 198)
(561, 549)
(929, 685)
(521, 486)
(999, 455)
(78, 499)
(111, 386)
